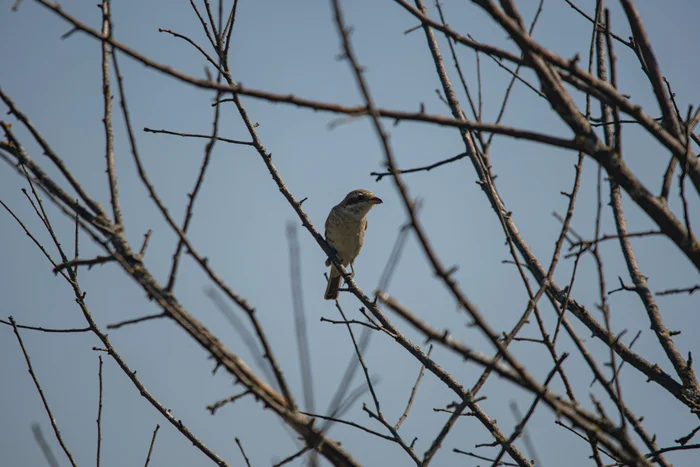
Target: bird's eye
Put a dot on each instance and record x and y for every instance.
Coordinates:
(360, 197)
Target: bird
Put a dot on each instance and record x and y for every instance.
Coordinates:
(345, 232)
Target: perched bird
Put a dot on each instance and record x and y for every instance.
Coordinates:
(345, 231)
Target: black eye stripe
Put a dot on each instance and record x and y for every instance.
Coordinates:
(356, 199)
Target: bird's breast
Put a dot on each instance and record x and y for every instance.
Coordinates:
(346, 236)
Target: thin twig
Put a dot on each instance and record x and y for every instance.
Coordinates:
(205, 27)
(217, 405)
(598, 449)
(413, 392)
(426, 168)
(397, 438)
(36, 328)
(189, 210)
(193, 44)
(99, 414)
(196, 135)
(107, 118)
(229, 30)
(483, 458)
(146, 238)
(437, 442)
(351, 321)
(137, 320)
(336, 405)
(358, 352)
(597, 23)
(352, 424)
(74, 263)
(602, 238)
(683, 440)
(688, 290)
(30, 235)
(654, 455)
(289, 459)
(41, 394)
(150, 447)
(240, 446)
(682, 176)
(76, 246)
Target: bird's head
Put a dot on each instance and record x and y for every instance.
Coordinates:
(358, 202)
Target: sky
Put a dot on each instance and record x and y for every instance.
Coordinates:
(240, 222)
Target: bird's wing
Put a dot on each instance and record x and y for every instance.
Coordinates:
(328, 223)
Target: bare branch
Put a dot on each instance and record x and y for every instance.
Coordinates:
(597, 23)
(107, 118)
(195, 135)
(137, 320)
(41, 394)
(217, 405)
(353, 424)
(238, 441)
(36, 328)
(150, 448)
(413, 393)
(688, 290)
(74, 263)
(426, 168)
(476, 456)
(99, 414)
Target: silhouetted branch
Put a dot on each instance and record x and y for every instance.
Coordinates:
(688, 290)
(217, 405)
(413, 393)
(240, 446)
(99, 413)
(137, 320)
(195, 135)
(83, 262)
(150, 447)
(37, 328)
(41, 394)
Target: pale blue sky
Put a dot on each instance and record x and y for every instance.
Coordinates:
(240, 220)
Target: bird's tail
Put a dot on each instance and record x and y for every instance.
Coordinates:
(333, 284)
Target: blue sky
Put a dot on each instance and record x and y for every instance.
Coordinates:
(240, 220)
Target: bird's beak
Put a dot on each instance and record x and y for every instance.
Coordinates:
(376, 200)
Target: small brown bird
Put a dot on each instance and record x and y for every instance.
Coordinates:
(345, 231)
